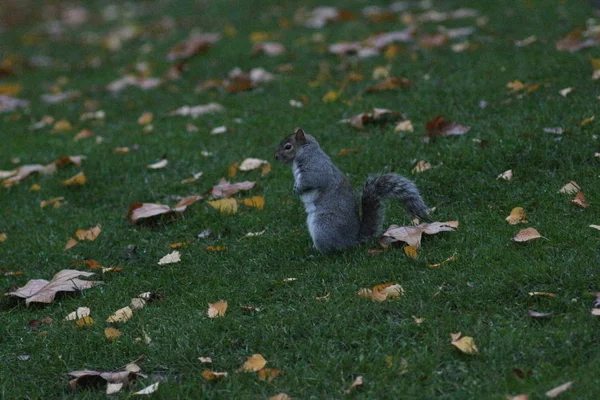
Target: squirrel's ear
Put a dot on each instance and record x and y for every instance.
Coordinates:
(300, 135)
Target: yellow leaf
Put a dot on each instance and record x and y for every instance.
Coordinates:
(255, 201)
(217, 309)
(418, 321)
(265, 169)
(61, 126)
(268, 374)
(587, 121)
(179, 244)
(260, 36)
(438, 265)
(121, 315)
(35, 188)
(254, 363)
(330, 96)
(215, 249)
(145, 118)
(84, 321)
(225, 206)
(70, 243)
(111, 333)
(410, 251)
(233, 169)
(10, 89)
(213, 376)
(517, 216)
(230, 30)
(382, 292)
(466, 344)
(76, 180)
(421, 166)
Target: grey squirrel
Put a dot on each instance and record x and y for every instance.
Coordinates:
(331, 206)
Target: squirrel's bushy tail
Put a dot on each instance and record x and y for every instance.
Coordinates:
(380, 187)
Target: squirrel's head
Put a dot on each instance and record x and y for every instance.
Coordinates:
(286, 152)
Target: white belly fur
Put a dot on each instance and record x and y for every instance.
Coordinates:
(308, 199)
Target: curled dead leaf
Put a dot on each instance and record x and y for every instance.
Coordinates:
(213, 376)
(411, 235)
(225, 206)
(466, 344)
(121, 315)
(357, 382)
(254, 363)
(173, 257)
(382, 292)
(217, 309)
(517, 216)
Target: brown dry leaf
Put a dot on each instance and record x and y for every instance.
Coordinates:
(194, 178)
(280, 396)
(439, 265)
(192, 46)
(179, 244)
(559, 389)
(378, 115)
(149, 389)
(357, 382)
(137, 303)
(84, 321)
(197, 111)
(225, 206)
(254, 363)
(232, 170)
(439, 127)
(215, 249)
(344, 152)
(10, 89)
(90, 234)
(574, 41)
(70, 243)
(3, 237)
(517, 216)
(517, 397)
(526, 235)
(25, 170)
(323, 298)
(217, 309)
(111, 333)
(254, 201)
(506, 175)
(170, 258)
(79, 313)
(586, 121)
(42, 291)
(580, 200)
(543, 294)
(268, 48)
(121, 315)
(411, 235)
(268, 374)
(145, 118)
(227, 189)
(54, 202)
(213, 376)
(76, 180)
(466, 344)
(83, 134)
(382, 292)
(421, 167)
(159, 164)
(392, 83)
(410, 251)
(418, 321)
(139, 211)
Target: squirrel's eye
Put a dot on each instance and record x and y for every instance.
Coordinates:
(287, 147)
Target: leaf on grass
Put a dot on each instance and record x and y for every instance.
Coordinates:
(197, 111)
(410, 251)
(382, 292)
(84, 321)
(580, 200)
(159, 164)
(391, 83)
(145, 118)
(280, 396)
(227, 189)
(254, 201)
(3, 237)
(268, 48)
(254, 234)
(411, 235)
(70, 243)
(111, 333)
(506, 175)
(217, 309)
(79, 313)
(526, 235)
(564, 92)
(595, 227)
(421, 166)
(252, 163)
(121, 315)
(148, 390)
(466, 344)
(268, 374)
(54, 202)
(357, 382)
(344, 152)
(536, 314)
(89, 234)
(42, 291)
(404, 126)
(173, 257)
(379, 115)
(139, 211)
(206, 360)
(254, 363)
(76, 180)
(194, 178)
(559, 389)
(194, 45)
(596, 312)
(440, 264)
(555, 130)
(323, 298)
(213, 376)
(25, 170)
(439, 127)
(587, 121)
(570, 188)
(542, 294)
(517, 216)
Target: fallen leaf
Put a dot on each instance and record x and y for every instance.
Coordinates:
(125, 376)
(89, 234)
(170, 258)
(555, 130)
(206, 360)
(595, 227)
(268, 48)
(418, 321)
(194, 178)
(213, 376)
(323, 298)
(411, 235)
(25, 170)
(54, 202)
(378, 115)
(254, 201)
(254, 363)
(559, 389)
(148, 390)
(439, 127)
(421, 167)
(215, 249)
(3, 237)
(158, 165)
(466, 344)
(225, 206)
(194, 45)
(580, 200)
(526, 42)
(70, 243)
(586, 121)
(76, 180)
(218, 130)
(543, 294)
(518, 397)
(280, 396)
(251, 163)
(596, 312)
(382, 292)
(111, 333)
(197, 111)
(536, 314)
(410, 251)
(121, 315)
(357, 382)
(391, 83)
(404, 126)
(84, 321)
(253, 234)
(24, 357)
(506, 175)
(526, 235)
(42, 291)
(564, 92)
(139, 211)
(145, 118)
(438, 265)
(62, 126)
(268, 374)
(226, 189)
(570, 188)
(217, 309)
(517, 216)
(79, 313)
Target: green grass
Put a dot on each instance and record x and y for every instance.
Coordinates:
(321, 347)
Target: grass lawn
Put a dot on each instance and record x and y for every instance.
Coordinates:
(320, 346)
